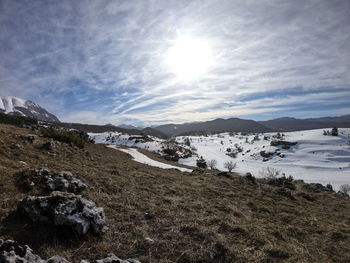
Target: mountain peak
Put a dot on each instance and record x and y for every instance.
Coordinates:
(21, 107)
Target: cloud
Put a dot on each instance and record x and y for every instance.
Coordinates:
(103, 61)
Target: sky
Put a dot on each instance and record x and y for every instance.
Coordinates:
(149, 62)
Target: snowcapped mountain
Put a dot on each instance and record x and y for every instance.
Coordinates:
(21, 107)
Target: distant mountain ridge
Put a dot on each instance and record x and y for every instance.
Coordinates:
(293, 124)
(243, 125)
(130, 127)
(21, 107)
(217, 125)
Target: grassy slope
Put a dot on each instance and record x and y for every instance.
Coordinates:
(196, 217)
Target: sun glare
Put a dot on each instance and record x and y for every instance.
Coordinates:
(189, 58)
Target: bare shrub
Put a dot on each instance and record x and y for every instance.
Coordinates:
(212, 164)
(229, 165)
(269, 173)
(345, 189)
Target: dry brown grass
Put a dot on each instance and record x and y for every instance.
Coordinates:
(191, 217)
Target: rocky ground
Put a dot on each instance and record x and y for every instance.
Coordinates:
(157, 215)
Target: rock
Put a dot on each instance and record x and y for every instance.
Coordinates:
(111, 258)
(285, 191)
(149, 240)
(65, 209)
(57, 259)
(283, 181)
(41, 171)
(50, 145)
(148, 216)
(62, 181)
(316, 187)
(65, 182)
(306, 196)
(16, 146)
(31, 138)
(11, 252)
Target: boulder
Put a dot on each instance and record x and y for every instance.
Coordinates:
(50, 145)
(306, 196)
(111, 258)
(11, 252)
(31, 138)
(65, 209)
(283, 181)
(286, 192)
(65, 182)
(316, 187)
(62, 181)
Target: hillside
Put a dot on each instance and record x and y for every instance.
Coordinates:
(158, 215)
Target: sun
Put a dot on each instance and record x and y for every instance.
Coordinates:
(189, 58)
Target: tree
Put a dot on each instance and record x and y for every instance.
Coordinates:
(201, 163)
(212, 164)
(229, 165)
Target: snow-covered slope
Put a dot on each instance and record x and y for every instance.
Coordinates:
(21, 107)
(152, 144)
(315, 157)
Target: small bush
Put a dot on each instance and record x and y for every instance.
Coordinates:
(201, 163)
(334, 131)
(250, 177)
(69, 137)
(270, 173)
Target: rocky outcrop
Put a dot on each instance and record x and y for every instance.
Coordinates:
(62, 181)
(65, 182)
(111, 258)
(316, 187)
(12, 252)
(64, 209)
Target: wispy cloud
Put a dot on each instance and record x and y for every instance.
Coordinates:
(103, 61)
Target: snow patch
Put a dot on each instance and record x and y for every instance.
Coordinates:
(141, 158)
